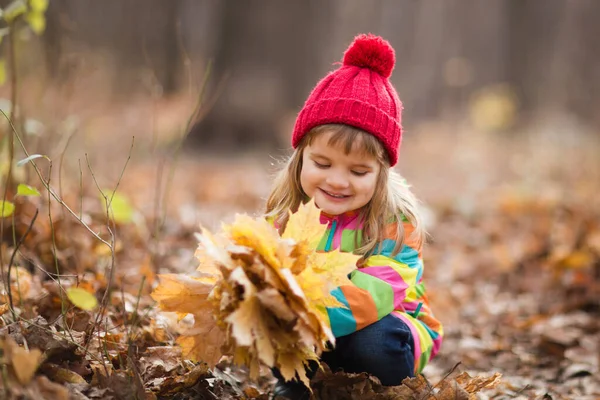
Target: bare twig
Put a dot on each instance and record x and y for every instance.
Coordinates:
(12, 259)
(72, 340)
(161, 214)
(112, 253)
(199, 111)
(431, 388)
(187, 62)
(61, 161)
(80, 190)
(54, 249)
(135, 310)
(105, 297)
(49, 188)
(122, 171)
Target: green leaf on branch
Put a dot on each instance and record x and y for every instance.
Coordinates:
(38, 5)
(2, 71)
(26, 190)
(6, 208)
(37, 21)
(120, 209)
(82, 298)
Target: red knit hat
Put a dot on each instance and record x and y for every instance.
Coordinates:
(359, 94)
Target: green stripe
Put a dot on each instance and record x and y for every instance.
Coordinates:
(323, 241)
(381, 291)
(420, 288)
(424, 358)
(348, 240)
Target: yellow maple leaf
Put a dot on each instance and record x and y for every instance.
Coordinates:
(304, 225)
(181, 293)
(256, 234)
(333, 268)
(305, 230)
(211, 253)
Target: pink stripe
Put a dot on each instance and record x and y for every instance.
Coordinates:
(437, 344)
(391, 276)
(411, 306)
(353, 225)
(415, 335)
(337, 238)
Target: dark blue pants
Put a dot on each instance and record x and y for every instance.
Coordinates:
(383, 349)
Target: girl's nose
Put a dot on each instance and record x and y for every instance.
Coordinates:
(336, 180)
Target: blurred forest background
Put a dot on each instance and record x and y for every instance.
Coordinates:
(269, 54)
(501, 142)
(106, 72)
(128, 68)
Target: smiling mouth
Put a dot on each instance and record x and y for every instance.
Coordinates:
(335, 195)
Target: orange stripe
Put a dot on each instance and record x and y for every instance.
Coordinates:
(361, 304)
(409, 240)
(390, 232)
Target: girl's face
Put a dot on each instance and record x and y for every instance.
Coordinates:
(338, 182)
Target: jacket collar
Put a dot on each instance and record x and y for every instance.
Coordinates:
(344, 218)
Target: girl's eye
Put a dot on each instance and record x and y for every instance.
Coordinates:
(322, 166)
(359, 173)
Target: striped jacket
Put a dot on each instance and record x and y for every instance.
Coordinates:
(382, 285)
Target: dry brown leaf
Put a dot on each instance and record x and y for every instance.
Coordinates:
(62, 375)
(159, 361)
(50, 390)
(478, 383)
(451, 390)
(21, 283)
(203, 342)
(24, 362)
(173, 385)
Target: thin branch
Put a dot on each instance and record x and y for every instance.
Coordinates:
(72, 341)
(135, 310)
(194, 117)
(122, 171)
(80, 190)
(105, 297)
(48, 188)
(112, 253)
(61, 161)
(12, 259)
(187, 62)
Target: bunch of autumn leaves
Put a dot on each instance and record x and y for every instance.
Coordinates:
(259, 296)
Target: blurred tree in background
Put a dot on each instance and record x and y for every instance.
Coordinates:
(537, 56)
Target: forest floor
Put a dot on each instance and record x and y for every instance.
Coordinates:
(512, 270)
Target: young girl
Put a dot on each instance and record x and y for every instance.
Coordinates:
(346, 140)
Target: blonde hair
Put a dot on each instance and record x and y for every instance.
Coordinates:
(392, 198)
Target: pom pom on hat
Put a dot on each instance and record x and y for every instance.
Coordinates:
(373, 52)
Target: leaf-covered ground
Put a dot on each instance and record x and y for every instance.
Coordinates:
(512, 267)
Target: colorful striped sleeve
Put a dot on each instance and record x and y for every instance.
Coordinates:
(384, 283)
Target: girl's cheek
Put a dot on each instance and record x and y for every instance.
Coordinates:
(305, 182)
